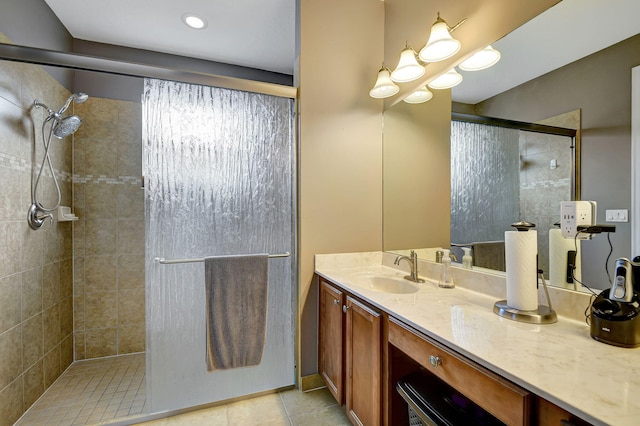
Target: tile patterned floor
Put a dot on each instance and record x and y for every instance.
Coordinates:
(108, 390)
(92, 392)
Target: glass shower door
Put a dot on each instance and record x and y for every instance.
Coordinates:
(219, 180)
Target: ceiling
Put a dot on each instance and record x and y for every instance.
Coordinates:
(261, 34)
(252, 33)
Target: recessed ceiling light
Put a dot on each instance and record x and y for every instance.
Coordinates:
(194, 21)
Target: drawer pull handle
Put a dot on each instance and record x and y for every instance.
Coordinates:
(336, 301)
(435, 361)
(345, 308)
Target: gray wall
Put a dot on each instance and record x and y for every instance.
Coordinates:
(599, 85)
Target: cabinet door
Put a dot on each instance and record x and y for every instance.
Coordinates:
(363, 333)
(330, 358)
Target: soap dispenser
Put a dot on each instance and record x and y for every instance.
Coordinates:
(467, 261)
(446, 276)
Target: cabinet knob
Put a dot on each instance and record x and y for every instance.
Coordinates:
(336, 301)
(345, 308)
(435, 361)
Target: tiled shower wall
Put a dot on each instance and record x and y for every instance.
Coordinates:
(108, 240)
(542, 187)
(36, 324)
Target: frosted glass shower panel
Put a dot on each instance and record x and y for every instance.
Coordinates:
(485, 181)
(219, 180)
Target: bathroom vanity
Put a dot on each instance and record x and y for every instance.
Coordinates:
(376, 328)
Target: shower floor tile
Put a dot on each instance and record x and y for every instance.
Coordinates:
(92, 392)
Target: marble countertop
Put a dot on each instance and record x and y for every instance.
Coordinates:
(560, 362)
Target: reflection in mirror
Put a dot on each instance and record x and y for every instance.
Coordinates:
(503, 172)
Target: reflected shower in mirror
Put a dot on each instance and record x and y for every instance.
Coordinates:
(503, 172)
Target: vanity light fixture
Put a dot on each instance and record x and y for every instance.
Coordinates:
(440, 45)
(384, 86)
(447, 80)
(194, 21)
(421, 95)
(408, 68)
(481, 60)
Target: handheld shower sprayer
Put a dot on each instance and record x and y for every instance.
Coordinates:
(60, 127)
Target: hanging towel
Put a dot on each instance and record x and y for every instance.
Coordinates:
(236, 298)
(489, 254)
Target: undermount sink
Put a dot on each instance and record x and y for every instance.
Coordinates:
(387, 285)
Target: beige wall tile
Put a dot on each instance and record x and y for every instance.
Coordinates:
(100, 200)
(100, 156)
(131, 305)
(33, 380)
(10, 195)
(66, 317)
(130, 236)
(66, 278)
(130, 201)
(100, 273)
(33, 253)
(78, 312)
(50, 285)
(32, 341)
(66, 352)
(31, 293)
(10, 305)
(130, 271)
(79, 345)
(11, 356)
(51, 327)
(131, 339)
(78, 275)
(51, 365)
(100, 343)
(11, 245)
(101, 309)
(100, 236)
(11, 405)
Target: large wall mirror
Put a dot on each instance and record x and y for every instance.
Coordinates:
(586, 108)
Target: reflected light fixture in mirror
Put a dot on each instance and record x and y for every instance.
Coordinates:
(481, 60)
(384, 87)
(421, 95)
(408, 68)
(441, 45)
(447, 80)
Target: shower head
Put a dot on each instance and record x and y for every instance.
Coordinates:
(66, 126)
(77, 98)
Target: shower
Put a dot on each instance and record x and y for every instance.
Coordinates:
(60, 127)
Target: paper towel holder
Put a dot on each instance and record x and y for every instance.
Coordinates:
(542, 315)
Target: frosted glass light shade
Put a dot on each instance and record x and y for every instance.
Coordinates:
(384, 87)
(447, 80)
(481, 60)
(440, 45)
(408, 68)
(421, 95)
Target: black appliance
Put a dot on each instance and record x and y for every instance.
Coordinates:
(615, 313)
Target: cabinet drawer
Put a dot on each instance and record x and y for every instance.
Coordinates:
(506, 401)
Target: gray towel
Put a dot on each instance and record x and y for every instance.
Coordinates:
(489, 254)
(236, 291)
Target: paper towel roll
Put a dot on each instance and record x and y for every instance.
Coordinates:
(558, 253)
(521, 249)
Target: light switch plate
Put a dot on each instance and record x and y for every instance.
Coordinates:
(617, 215)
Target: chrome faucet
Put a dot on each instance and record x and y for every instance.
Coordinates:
(413, 264)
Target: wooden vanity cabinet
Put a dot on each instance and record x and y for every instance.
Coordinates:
(349, 354)
(330, 339)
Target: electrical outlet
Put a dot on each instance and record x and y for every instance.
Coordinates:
(575, 213)
(617, 215)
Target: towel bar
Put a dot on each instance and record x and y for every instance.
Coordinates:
(163, 261)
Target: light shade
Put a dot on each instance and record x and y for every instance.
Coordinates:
(408, 68)
(421, 95)
(481, 60)
(384, 87)
(447, 80)
(440, 45)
